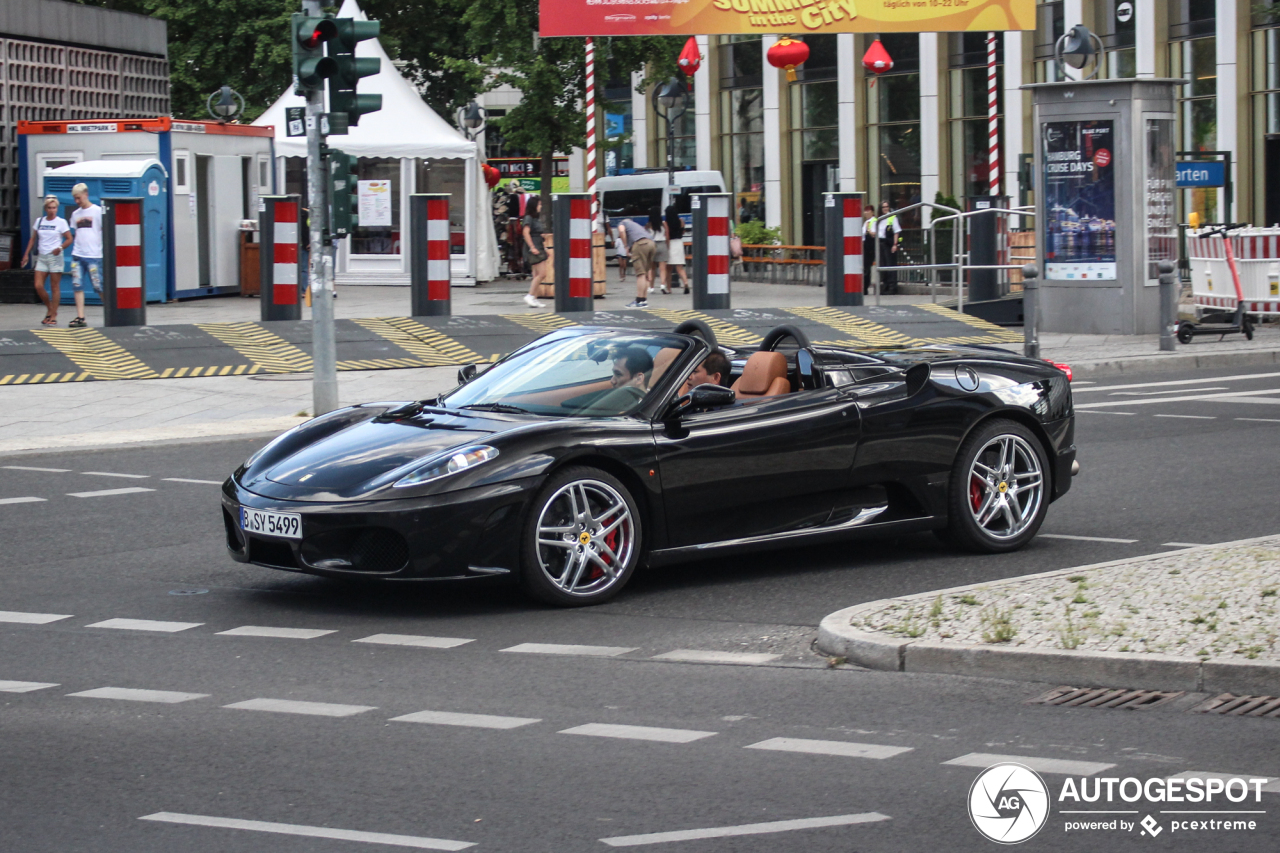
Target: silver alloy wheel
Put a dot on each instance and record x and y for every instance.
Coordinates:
(586, 537)
(1006, 487)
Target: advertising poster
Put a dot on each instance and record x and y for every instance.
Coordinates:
(375, 203)
(795, 17)
(1162, 228)
(1079, 200)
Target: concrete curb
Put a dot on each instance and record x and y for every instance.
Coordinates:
(837, 637)
(1157, 362)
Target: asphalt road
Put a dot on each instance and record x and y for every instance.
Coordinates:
(81, 772)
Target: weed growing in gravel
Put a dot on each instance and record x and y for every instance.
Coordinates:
(1269, 593)
(935, 612)
(997, 625)
(967, 598)
(1069, 636)
(911, 625)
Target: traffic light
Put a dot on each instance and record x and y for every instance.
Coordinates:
(310, 65)
(349, 69)
(345, 201)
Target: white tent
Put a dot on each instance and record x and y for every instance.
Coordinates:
(409, 130)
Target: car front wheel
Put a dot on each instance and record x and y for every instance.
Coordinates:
(582, 539)
(999, 488)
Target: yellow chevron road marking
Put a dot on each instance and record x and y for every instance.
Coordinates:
(431, 347)
(994, 334)
(862, 332)
(540, 323)
(726, 333)
(383, 363)
(267, 350)
(95, 353)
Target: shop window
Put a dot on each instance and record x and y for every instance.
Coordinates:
(380, 235)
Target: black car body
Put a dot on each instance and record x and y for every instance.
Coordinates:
(864, 443)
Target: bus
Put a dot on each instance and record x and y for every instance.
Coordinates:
(636, 196)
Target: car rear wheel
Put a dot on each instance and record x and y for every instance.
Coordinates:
(582, 539)
(999, 488)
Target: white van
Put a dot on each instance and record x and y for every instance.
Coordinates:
(636, 196)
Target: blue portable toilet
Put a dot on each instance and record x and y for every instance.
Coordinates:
(144, 179)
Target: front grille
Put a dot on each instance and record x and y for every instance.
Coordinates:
(271, 552)
(376, 550)
(1232, 705)
(1105, 697)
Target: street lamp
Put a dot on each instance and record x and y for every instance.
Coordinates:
(472, 119)
(669, 96)
(226, 106)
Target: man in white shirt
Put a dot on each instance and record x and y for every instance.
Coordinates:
(86, 254)
(887, 231)
(50, 234)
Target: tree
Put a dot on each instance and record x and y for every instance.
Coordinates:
(550, 75)
(428, 41)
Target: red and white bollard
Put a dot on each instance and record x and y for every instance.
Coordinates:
(280, 259)
(429, 273)
(571, 223)
(124, 295)
(710, 243)
(844, 248)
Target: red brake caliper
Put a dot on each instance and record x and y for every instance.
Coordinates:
(975, 493)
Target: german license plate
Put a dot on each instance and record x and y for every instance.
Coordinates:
(266, 523)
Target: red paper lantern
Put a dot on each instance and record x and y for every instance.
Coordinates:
(690, 59)
(787, 54)
(877, 60)
(491, 175)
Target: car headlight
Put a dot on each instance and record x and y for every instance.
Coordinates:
(450, 462)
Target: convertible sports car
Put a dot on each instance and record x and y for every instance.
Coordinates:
(582, 456)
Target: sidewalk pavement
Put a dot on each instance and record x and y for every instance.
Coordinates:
(1202, 619)
(78, 414)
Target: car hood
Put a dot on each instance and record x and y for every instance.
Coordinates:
(348, 464)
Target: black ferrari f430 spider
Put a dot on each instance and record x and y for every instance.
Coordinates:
(585, 455)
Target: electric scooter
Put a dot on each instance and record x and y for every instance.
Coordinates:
(1221, 323)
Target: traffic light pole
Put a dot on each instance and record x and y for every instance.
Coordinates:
(324, 383)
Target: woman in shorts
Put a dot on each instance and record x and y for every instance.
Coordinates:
(674, 226)
(50, 234)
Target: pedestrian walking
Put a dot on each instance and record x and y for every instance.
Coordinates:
(869, 245)
(659, 231)
(86, 252)
(887, 231)
(50, 235)
(620, 252)
(674, 226)
(638, 241)
(535, 250)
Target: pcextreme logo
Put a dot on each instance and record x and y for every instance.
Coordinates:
(1009, 803)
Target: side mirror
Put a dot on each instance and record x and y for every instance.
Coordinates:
(704, 397)
(466, 373)
(917, 377)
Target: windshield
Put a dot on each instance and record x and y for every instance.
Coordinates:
(595, 375)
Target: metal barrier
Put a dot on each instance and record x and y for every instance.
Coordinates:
(1257, 254)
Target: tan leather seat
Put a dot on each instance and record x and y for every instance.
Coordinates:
(661, 362)
(765, 375)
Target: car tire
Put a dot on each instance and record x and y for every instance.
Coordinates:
(999, 490)
(582, 540)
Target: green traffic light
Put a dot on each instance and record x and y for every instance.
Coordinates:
(349, 68)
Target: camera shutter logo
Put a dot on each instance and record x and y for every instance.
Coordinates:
(1008, 803)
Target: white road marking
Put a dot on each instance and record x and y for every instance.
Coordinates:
(699, 656)
(416, 842)
(568, 649)
(1190, 417)
(1225, 397)
(30, 618)
(1254, 401)
(283, 633)
(1040, 765)
(23, 686)
(290, 706)
(114, 474)
(22, 500)
(1091, 412)
(108, 492)
(638, 733)
(197, 482)
(475, 721)
(1172, 391)
(1261, 420)
(1181, 544)
(1086, 538)
(145, 625)
(830, 747)
(744, 829)
(415, 640)
(1238, 376)
(131, 695)
(33, 468)
(1270, 786)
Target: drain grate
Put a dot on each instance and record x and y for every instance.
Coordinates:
(1105, 697)
(1240, 706)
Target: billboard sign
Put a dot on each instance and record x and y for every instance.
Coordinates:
(1080, 200)
(794, 17)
